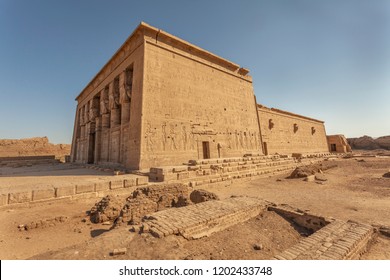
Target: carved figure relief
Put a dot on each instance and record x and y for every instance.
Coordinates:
(81, 113)
(192, 141)
(241, 139)
(236, 140)
(129, 82)
(93, 110)
(184, 137)
(149, 135)
(113, 98)
(164, 136)
(172, 137)
(104, 109)
(229, 138)
(123, 97)
(251, 140)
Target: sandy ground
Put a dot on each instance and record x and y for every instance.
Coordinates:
(355, 190)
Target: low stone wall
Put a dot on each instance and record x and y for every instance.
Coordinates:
(340, 240)
(77, 191)
(27, 161)
(201, 172)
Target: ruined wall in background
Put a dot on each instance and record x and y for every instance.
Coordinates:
(338, 144)
(287, 133)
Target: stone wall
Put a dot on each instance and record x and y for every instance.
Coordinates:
(107, 127)
(86, 190)
(287, 133)
(190, 101)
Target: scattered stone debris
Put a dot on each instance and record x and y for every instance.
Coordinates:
(200, 195)
(304, 171)
(147, 200)
(107, 209)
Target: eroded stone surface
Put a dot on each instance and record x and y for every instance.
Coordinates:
(199, 220)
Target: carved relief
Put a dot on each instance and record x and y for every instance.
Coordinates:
(184, 137)
(129, 82)
(123, 97)
(229, 138)
(93, 109)
(236, 140)
(164, 136)
(113, 97)
(149, 136)
(241, 139)
(251, 140)
(172, 137)
(192, 141)
(104, 109)
(81, 113)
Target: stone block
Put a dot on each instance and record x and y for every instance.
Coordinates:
(142, 180)
(116, 184)
(85, 188)
(19, 197)
(102, 186)
(177, 169)
(65, 191)
(3, 199)
(183, 175)
(43, 194)
(127, 183)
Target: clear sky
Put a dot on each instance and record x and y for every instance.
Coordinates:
(329, 60)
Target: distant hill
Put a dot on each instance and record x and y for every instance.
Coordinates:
(368, 143)
(38, 146)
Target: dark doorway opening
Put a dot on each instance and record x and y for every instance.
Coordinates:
(333, 147)
(91, 148)
(206, 149)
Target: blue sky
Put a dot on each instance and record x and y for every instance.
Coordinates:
(329, 60)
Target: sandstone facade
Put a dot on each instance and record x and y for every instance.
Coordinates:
(162, 101)
(287, 133)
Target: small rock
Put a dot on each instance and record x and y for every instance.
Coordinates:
(145, 228)
(107, 223)
(28, 237)
(258, 246)
(320, 177)
(278, 180)
(310, 178)
(84, 220)
(120, 251)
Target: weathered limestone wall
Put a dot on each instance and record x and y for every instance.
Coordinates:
(287, 133)
(108, 117)
(190, 102)
(338, 144)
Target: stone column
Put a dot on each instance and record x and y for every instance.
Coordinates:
(98, 139)
(124, 98)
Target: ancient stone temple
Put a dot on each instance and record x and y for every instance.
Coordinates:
(163, 101)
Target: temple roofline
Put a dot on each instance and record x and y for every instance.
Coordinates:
(287, 113)
(233, 67)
